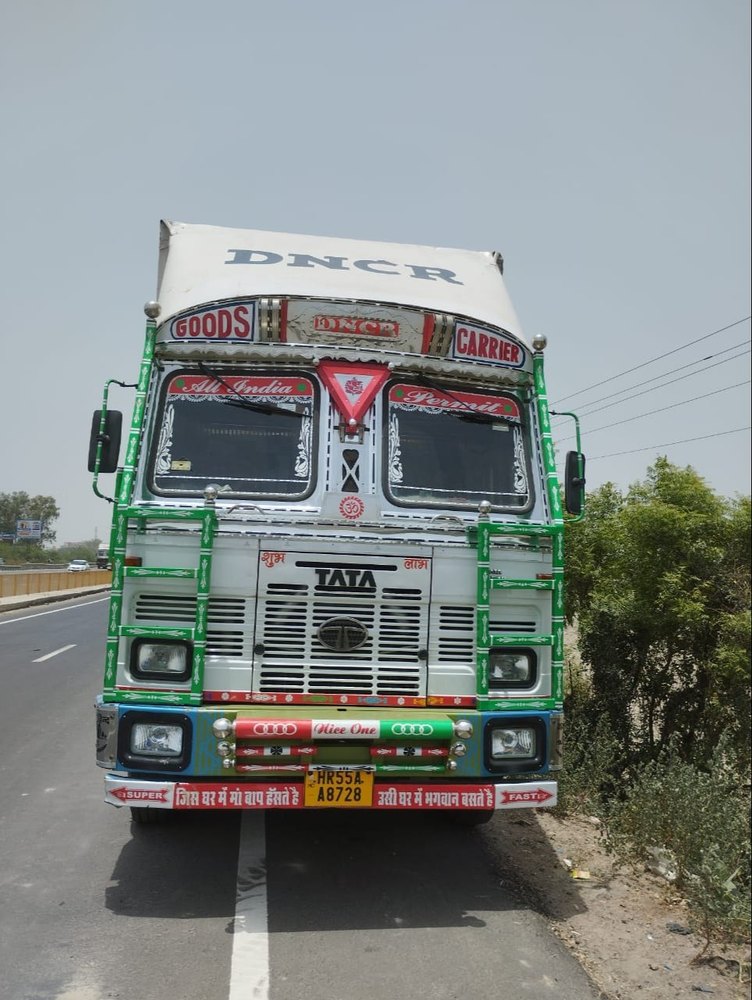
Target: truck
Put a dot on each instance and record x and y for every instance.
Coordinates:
(337, 537)
(103, 557)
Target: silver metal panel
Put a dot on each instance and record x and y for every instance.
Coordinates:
(300, 593)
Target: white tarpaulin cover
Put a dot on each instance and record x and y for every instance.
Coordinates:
(202, 264)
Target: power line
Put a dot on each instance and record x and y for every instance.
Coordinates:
(662, 385)
(668, 444)
(671, 371)
(662, 409)
(653, 360)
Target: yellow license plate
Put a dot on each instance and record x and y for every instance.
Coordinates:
(339, 789)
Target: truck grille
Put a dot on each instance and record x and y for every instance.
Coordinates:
(453, 631)
(225, 619)
(391, 662)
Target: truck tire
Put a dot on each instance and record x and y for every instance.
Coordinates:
(473, 817)
(144, 815)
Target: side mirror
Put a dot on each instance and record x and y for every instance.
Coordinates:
(574, 483)
(110, 438)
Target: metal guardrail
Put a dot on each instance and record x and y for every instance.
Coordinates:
(34, 567)
(47, 581)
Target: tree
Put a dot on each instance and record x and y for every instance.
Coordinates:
(16, 506)
(659, 583)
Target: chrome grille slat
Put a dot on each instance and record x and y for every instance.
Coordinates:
(455, 631)
(294, 660)
(176, 609)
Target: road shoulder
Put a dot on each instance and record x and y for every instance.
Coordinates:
(627, 928)
(51, 597)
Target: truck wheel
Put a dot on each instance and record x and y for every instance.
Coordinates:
(473, 817)
(143, 815)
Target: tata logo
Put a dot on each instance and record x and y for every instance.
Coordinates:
(342, 634)
(353, 579)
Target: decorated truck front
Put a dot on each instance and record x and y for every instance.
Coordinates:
(337, 541)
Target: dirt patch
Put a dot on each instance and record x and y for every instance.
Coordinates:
(628, 928)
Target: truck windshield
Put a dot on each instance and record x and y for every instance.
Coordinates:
(454, 449)
(235, 430)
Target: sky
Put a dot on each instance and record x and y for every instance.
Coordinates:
(602, 146)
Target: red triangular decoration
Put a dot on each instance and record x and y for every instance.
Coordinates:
(352, 387)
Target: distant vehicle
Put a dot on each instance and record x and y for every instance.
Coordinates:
(103, 557)
(78, 566)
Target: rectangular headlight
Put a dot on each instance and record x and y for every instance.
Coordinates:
(512, 668)
(156, 740)
(170, 660)
(512, 743)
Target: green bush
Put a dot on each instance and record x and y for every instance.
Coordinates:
(592, 755)
(658, 580)
(703, 819)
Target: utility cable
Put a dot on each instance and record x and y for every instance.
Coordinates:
(668, 444)
(671, 371)
(662, 409)
(662, 385)
(653, 360)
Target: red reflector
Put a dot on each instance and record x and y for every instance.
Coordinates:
(133, 560)
(538, 576)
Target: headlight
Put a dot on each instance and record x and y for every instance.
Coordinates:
(156, 740)
(161, 660)
(513, 744)
(512, 668)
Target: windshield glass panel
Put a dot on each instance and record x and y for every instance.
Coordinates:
(253, 435)
(453, 449)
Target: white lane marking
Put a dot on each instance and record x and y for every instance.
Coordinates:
(249, 976)
(63, 649)
(55, 611)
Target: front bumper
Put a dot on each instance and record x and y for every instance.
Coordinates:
(437, 760)
(182, 795)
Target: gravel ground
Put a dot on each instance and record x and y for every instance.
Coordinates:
(628, 928)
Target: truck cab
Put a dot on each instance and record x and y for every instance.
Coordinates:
(337, 541)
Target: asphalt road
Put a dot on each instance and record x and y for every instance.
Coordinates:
(318, 905)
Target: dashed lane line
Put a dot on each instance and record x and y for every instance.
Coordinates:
(56, 652)
(249, 976)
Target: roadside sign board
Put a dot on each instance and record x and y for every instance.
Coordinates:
(26, 529)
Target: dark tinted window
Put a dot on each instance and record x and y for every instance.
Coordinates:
(251, 433)
(454, 449)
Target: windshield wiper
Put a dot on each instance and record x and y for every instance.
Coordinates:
(467, 413)
(247, 404)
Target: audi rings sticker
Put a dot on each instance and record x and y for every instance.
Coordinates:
(411, 729)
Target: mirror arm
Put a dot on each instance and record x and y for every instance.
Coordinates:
(568, 413)
(580, 480)
(102, 437)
